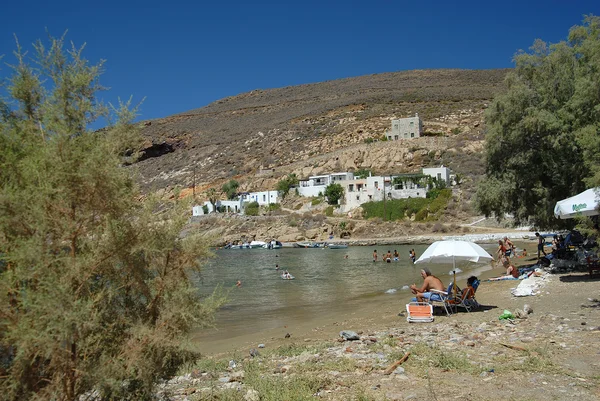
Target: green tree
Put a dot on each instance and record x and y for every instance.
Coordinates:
(362, 173)
(95, 289)
(543, 141)
(334, 192)
(230, 189)
(286, 184)
(213, 197)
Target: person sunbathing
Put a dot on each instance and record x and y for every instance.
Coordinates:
(430, 282)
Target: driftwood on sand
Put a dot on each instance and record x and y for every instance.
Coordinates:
(394, 365)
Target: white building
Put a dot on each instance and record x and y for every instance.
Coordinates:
(316, 184)
(237, 206)
(440, 173)
(405, 128)
(263, 198)
(374, 188)
(231, 206)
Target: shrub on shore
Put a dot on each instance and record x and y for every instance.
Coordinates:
(96, 289)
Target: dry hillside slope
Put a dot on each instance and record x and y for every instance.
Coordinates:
(259, 136)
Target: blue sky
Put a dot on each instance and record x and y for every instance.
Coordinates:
(182, 55)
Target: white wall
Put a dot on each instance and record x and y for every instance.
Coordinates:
(263, 197)
(311, 191)
(441, 172)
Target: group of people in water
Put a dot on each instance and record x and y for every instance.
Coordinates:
(505, 250)
(388, 257)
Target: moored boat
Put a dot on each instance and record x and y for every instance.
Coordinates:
(307, 244)
(337, 246)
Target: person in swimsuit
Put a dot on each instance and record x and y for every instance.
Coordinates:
(430, 282)
(540, 245)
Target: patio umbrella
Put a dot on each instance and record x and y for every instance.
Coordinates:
(583, 204)
(452, 251)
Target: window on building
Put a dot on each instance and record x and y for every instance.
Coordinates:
(396, 137)
(264, 198)
(370, 197)
(351, 188)
(412, 123)
(412, 134)
(405, 135)
(396, 126)
(376, 185)
(357, 197)
(439, 176)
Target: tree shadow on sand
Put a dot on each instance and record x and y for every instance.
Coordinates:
(578, 278)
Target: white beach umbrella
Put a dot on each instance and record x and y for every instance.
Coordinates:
(452, 251)
(583, 204)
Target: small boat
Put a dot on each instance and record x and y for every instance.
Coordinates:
(273, 245)
(337, 246)
(258, 244)
(245, 245)
(306, 244)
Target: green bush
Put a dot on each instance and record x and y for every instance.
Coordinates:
(421, 215)
(422, 208)
(252, 209)
(329, 211)
(273, 206)
(316, 201)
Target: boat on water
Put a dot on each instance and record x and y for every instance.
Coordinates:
(255, 245)
(245, 245)
(308, 244)
(337, 246)
(273, 245)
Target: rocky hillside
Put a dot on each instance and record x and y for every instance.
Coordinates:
(260, 136)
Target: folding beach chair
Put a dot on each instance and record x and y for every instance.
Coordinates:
(466, 298)
(443, 297)
(419, 312)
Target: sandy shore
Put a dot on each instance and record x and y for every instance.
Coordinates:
(378, 311)
(553, 353)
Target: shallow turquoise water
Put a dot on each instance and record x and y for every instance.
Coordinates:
(325, 284)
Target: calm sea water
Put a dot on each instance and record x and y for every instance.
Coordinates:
(325, 284)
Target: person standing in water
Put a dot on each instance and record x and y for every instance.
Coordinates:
(375, 255)
(413, 255)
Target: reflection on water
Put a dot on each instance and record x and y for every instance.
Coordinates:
(325, 283)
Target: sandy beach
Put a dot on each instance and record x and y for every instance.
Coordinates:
(552, 353)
